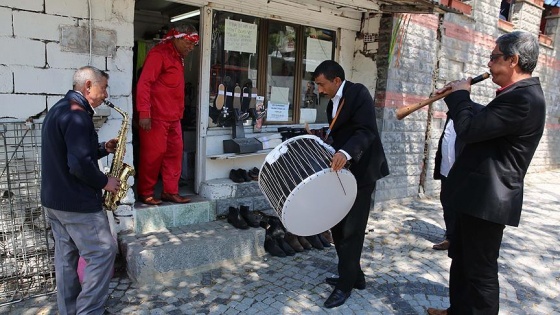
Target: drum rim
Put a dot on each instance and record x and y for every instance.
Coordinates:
(276, 149)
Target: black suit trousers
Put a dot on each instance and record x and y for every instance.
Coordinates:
(348, 236)
(448, 213)
(473, 279)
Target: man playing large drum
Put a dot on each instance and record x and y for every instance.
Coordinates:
(354, 136)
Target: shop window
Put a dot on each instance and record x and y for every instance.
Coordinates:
(273, 57)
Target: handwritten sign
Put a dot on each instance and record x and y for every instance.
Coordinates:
(240, 36)
(317, 52)
(277, 112)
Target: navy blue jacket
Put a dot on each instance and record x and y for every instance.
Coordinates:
(70, 176)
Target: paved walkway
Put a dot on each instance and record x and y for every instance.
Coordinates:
(404, 275)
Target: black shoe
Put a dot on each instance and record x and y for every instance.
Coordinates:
(304, 242)
(285, 246)
(324, 240)
(243, 174)
(235, 219)
(251, 218)
(276, 228)
(236, 177)
(271, 247)
(360, 285)
(315, 242)
(254, 173)
(337, 298)
(292, 240)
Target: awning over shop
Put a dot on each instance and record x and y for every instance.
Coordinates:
(385, 6)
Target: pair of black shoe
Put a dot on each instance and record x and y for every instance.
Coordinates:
(277, 246)
(318, 241)
(275, 241)
(239, 175)
(242, 218)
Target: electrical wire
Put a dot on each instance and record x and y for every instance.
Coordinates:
(90, 33)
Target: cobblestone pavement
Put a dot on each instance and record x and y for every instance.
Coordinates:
(404, 275)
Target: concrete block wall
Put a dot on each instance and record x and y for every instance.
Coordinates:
(36, 67)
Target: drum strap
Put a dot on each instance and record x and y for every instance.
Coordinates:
(334, 120)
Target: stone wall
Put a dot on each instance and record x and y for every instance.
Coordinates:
(436, 49)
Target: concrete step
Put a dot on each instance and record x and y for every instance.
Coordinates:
(158, 257)
(148, 219)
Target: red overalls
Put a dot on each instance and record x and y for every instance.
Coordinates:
(161, 97)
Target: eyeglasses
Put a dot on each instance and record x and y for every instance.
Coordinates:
(494, 56)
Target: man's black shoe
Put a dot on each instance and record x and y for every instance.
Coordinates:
(276, 228)
(251, 218)
(243, 174)
(271, 247)
(324, 240)
(315, 241)
(304, 242)
(360, 285)
(236, 177)
(285, 246)
(235, 219)
(337, 298)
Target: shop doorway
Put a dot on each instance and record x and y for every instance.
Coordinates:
(152, 21)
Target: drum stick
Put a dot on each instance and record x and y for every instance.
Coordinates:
(407, 110)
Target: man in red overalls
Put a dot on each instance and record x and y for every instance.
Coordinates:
(160, 103)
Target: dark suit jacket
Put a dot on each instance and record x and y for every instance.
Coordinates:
(486, 180)
(355, 131)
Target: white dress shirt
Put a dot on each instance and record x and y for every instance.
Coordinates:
(335, 102)
(448, 148)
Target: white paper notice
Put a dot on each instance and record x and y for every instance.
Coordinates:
(280, 95)
(317, 52)
(277, 112)
(240, 36)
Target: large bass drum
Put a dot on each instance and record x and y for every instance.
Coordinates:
(299, 184)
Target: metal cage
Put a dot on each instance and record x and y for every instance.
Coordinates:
(26, 243)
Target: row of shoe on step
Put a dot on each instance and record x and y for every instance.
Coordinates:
(281, 243)
(240, 175)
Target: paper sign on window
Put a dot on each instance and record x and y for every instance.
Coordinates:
(240, 36)
(317, 52)
(277, 112)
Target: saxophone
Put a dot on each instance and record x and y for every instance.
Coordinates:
(119, 169)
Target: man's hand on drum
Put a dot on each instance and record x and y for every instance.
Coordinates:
(338, 161)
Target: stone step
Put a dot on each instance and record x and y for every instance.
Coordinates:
(158, 257)
(148, 219)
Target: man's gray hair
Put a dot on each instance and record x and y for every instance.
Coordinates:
(87, 73)
(523, 44)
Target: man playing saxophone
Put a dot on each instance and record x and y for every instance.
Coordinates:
(71, 184)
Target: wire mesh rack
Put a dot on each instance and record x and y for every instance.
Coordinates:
(26, 243)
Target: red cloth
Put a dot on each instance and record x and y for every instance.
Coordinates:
(161, 150)
(160, 89)
(192, 37)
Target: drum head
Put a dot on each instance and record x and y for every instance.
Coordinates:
(319, 202)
